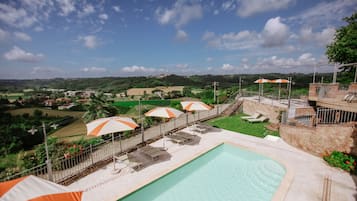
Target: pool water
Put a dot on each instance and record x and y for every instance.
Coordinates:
(226, 173)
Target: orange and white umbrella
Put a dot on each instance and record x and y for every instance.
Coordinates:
(262, 80)
(110, 125)
(280, 81)
(195, 106)
(164, 112)
(31, 188)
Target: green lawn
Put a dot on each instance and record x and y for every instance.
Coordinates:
(235, 123)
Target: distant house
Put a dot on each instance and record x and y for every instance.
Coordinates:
(65, 107)
(81, 94)
(49, 102)
(160, 89)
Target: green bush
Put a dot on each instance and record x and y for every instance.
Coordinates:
(341, 160)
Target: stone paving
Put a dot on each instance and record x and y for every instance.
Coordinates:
(303, 181)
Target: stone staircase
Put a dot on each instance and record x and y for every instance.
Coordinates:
(232, 108)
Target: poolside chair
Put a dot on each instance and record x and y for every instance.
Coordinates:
(257, 120)
(131, 164)
(177, 139)
(254, 116)
(152, 152)
(185, 135)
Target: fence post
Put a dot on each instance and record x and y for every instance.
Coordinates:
(91, 153)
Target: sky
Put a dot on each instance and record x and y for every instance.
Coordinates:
(81, 38)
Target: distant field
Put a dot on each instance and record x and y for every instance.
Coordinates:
(13, 96)
(49, 112)
(73, 131)
(145, 102)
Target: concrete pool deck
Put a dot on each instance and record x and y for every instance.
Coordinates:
(304, 180)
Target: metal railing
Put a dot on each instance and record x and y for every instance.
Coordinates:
(65, 168)
(333, 116)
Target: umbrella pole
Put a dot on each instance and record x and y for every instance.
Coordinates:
(121, 150)
(113, 151)
(186, 119)
(163, 139)
(279, 91)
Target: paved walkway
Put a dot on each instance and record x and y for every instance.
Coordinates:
(305, 180)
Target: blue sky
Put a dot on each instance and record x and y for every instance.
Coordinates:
(71, 38)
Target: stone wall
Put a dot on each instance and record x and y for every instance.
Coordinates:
(322, 139)
(305, 111)
(352, 87)
(270, 111)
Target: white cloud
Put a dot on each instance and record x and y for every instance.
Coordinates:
(103, 16)
(3, 35)
(182, 66)
(117, 9)
(16, 17)
(227, 67)
(275, 33)
(228, 5)
(232, 41)
(94, 69)
(66, 6)
(209, 59)
(50, 71)
(180, 14)
(87, 10)
(321, 38)
(89, 41)
(18, 54)
(22, 36)
(304, 60)
(181, 35)
(38, 29)
(250, 7)
(216, 12)
(326, 12)
(134, 69)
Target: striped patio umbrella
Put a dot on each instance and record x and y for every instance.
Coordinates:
(260, 82)
(163, 112)
(110, 125)
(280, 81)
(194, 106)
(31, 188)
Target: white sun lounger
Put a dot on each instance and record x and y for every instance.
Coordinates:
(260, 119)
(254, 116)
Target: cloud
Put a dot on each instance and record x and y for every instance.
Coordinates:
(325, 13)
(94, 70)
(38, 29)
(103, 16)
(134, 69)
(322, 38)
(87, 10)
(250, 7)
(46, 72)
(182, 66)
(22, 36)
(116, 9)
(304, 60)
(3, 35)
(89, 41)
(66, 6)
(209, 59)
(228, 5)
(16, 17)
(275, 33)
(179, 15)
(227, 67)
(232, 41)
(181, 35)
(18, 54)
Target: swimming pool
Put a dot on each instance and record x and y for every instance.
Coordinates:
(225, 173)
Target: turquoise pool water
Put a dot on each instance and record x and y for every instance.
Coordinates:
(225, 173)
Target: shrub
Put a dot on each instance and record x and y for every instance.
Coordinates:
(341, 160)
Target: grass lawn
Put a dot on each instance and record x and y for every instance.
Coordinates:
(235, 123)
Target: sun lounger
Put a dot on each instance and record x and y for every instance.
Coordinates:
(153, 152)
(177, 139)
(131, 164)
(185, 135)
(260, 119)
(254, 116)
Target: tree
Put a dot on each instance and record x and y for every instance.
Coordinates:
(98, 108)
(344, 47)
